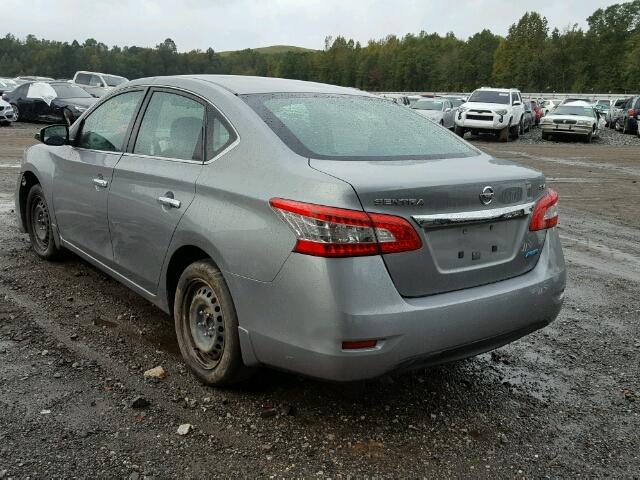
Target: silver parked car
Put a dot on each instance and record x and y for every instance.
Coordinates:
(308, 227)
(439, 110)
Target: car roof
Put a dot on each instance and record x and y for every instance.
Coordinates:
(244, 84)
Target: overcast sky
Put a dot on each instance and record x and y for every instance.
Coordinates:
(237, 24)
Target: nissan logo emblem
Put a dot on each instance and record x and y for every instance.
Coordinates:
(486, 197)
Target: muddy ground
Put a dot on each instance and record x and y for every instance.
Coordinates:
(563, 402)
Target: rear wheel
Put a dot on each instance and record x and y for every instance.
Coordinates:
(459, 131)
(589, 137)
(625, 126)
(207, 325)
(39, 225)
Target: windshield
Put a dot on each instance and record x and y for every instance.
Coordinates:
(114, 81)
(573, 110)
(427, 105)
(353, 127)
(69, 91)
(456, 102)
(489, 96)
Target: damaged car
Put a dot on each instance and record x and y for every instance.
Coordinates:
(307, 227)
(50, 102)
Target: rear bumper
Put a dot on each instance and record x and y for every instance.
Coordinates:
(298, 321)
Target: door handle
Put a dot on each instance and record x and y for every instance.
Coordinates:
(169, 202)
(100, 182)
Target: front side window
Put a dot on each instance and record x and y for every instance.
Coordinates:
(82, 78)
(106, 127)
(95, 81)
(171, 128)
(351, 127)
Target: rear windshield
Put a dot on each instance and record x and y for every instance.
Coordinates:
(349, 127)
(427, 105)
(489, 96)
(69, 91)
(114, 81)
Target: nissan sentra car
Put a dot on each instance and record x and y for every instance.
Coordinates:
(307, 227)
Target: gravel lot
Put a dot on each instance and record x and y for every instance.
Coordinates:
(561, 403)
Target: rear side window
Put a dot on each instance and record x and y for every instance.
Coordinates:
(354, 127)
(106, 127)
(172, 127)
(219, 134)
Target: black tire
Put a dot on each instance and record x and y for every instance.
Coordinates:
(589, 137)
(545, 136)
(459, 131)
(503, 135)
(16, 112)
(67, 117)
(39, 225)
(625, 127)
(207, 326)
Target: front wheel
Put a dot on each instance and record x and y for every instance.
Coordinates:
(459, 131)
(545, 136)
(207, 326)
(503, 135)
(39, 225)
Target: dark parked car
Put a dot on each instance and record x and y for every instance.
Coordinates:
(53, 102)
(627, 121)
(529, 118)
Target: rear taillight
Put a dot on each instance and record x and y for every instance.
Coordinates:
(336, 232)
(545, 212)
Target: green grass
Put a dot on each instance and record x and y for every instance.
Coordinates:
(273, 49)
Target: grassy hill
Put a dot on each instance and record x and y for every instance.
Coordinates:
(273, 49)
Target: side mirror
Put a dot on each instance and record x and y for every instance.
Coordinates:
(54, 135)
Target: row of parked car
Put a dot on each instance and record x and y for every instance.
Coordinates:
(506, 114)
(46, 99)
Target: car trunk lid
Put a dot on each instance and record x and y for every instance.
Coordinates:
(466, 242)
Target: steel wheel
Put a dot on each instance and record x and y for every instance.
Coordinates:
(38, 223)
(206, 324)
(16, 112)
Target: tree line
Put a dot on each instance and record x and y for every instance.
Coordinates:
(603, 58)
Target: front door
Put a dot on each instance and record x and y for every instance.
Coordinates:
(154, 183)
(83, 175)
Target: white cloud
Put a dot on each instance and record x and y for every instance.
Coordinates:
(232, 25)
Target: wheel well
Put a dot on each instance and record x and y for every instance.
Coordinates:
(181, 259)
(28, 181)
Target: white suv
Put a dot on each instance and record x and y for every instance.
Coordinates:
(97, 84)
(497, 110)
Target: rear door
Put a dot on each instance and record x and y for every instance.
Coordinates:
(83, 174)
(154, 183)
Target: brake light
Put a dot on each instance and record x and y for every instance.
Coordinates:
(336, 232)
(545, 213)
(359, 344)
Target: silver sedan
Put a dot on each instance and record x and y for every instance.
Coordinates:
(307, 227)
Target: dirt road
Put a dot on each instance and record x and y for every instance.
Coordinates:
(563, 402)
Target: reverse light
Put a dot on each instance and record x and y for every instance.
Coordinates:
(545, 212)
(336, 232)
